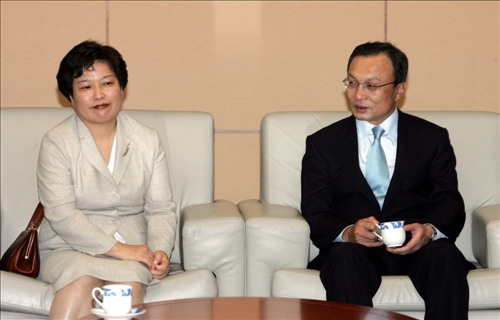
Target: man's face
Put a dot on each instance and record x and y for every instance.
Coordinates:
(377, 106)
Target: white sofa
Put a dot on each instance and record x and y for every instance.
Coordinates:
(208, 259)
(278, 244)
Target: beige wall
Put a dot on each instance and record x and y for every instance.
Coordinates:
(241, 60)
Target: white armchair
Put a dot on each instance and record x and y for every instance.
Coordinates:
(278, 244)
(208, 259)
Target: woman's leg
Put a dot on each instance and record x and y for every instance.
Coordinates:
(75, 300)
(138, 290)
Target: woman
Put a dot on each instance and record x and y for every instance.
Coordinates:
(104, 184)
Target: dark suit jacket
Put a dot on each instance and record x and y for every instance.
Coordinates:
(423, 188)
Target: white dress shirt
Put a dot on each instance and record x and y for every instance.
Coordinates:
(389, 141)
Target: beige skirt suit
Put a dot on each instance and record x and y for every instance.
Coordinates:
(86, 205)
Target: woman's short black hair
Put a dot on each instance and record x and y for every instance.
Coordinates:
(82, 57)
(398, 58)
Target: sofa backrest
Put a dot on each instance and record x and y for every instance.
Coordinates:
(474, 137)
(186, 136)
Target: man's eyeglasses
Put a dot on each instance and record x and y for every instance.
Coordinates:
(352, 85)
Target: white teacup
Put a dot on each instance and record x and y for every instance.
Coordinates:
(392, 233)
(116, 298)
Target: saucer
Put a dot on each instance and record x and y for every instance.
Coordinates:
(134, 312)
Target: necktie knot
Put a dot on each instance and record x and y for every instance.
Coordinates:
(378, 132)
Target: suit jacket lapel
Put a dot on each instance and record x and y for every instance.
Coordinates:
(91, 151)
(408, 146)
(347, 151)
(124, 147)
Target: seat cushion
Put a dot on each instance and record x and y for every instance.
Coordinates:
(199, 283)
(21, 294)
(25, 295)
(8, 315)
(396, 293)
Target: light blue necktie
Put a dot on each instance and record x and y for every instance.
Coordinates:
(377, 170)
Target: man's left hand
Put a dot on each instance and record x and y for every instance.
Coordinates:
(420, 236)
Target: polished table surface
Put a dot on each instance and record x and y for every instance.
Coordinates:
(259, 308)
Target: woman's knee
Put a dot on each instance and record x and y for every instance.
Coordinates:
(86, 283)
(138, 287)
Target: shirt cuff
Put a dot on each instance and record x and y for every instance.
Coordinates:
(339, 237)
(439, 234)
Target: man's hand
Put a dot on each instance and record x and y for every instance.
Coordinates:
(161, 265)
(362, 233)
(420, 236)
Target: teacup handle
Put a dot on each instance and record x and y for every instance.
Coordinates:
(95, 298)
(378, 235)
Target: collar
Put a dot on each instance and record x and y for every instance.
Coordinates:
(390, 125)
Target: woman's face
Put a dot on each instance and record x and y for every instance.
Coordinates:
(97, 96)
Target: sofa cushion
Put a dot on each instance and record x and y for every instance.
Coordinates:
(8, 315)
(396, 293)
(24, 294)
(30, 296)
(199, 283)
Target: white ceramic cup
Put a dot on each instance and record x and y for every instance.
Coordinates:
(116, 298)
(392, 233)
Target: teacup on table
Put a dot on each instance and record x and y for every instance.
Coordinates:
(116, 298)
(391, 233)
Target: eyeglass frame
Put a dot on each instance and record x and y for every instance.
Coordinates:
(365, 88)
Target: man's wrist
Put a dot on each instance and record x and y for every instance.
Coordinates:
(345, 234)
(434, 232)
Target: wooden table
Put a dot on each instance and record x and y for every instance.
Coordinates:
(259, 308)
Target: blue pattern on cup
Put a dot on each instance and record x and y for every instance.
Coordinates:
(109, 293)
(123, 292)
(392, 225)
(126, 293)
(397, 224)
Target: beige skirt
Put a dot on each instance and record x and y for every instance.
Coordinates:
(62, 267)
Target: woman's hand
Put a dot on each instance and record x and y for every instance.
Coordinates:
(157, 262)
(161, 265)
(140, 253)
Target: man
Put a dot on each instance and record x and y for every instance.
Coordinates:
(343, 198)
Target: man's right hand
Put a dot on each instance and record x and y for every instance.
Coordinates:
(362, 233)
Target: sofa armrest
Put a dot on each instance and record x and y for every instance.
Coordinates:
(277, 237)
(486, 235)
(213, 238)
(24, 294)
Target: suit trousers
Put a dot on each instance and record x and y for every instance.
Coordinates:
(351, 273)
